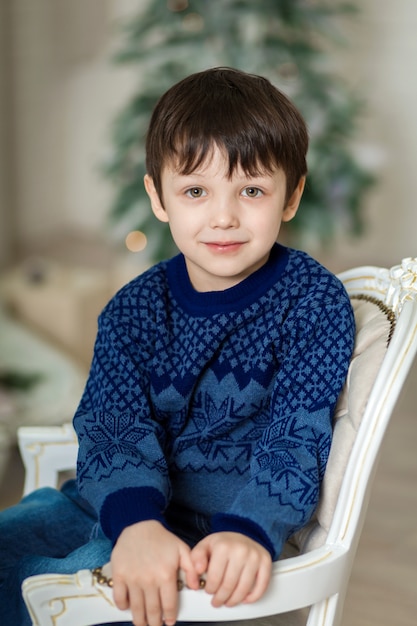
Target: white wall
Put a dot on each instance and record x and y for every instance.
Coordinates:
(380, 62)
(67, 93)
(6, 225)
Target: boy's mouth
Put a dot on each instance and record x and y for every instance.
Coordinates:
(224, 246)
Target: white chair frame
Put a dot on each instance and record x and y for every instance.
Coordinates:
(317, 579)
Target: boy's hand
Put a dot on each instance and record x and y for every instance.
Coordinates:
(237, 568)
(145, 563)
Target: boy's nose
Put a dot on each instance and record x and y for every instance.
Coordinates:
(224, 215)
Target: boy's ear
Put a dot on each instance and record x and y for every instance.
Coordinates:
(156, 203)
(293, 203)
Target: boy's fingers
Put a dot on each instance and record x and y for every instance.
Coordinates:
(169, 601)
(188, 573)
(261, 584)
(153, 608)
(120, 595)
(244, 585)
(137, 607)
(230, 585)
(200, 558)
(218, 583)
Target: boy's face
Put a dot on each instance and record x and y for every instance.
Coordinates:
(224, 227)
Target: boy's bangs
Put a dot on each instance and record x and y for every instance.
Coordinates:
(190, 152)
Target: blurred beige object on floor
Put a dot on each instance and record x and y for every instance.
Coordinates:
(62, 302)
(54, 395)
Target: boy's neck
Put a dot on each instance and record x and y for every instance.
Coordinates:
(234, 298)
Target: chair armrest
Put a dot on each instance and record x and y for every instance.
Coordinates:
(300, 581)
(45, 452)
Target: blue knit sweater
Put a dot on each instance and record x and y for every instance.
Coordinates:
(219, 402)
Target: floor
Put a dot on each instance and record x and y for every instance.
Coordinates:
(383, 586)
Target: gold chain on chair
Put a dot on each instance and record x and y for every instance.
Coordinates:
(382, 307)
(106, 580)
(101, 578)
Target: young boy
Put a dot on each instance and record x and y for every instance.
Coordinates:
(206, 421)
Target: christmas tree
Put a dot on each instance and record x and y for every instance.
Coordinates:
(287, 41)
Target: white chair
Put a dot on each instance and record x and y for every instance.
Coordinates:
(309, 585)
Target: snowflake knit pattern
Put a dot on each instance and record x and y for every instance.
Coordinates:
(219, 403)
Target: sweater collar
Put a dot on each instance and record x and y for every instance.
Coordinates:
(233, 299)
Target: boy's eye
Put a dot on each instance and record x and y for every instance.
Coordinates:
(252, 192)
(195, 192)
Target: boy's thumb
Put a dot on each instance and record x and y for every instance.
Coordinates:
(200, 559)
(187, 573)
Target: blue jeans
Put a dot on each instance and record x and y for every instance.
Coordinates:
(53, 531)
(48, 531)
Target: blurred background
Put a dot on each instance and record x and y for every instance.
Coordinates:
(78, 79)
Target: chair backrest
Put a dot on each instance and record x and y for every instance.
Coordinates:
(385, 303)
(375, 324)
(395, 293)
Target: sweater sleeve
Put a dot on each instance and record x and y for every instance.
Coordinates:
(289, 461)
(121, 468)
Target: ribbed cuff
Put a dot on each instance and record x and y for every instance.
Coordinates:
(223, 522)
(129, 506)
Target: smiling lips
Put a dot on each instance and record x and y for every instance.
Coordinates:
(224, 246)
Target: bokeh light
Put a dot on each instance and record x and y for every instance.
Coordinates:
(136, 241)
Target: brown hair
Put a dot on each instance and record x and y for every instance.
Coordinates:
(256, 126)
